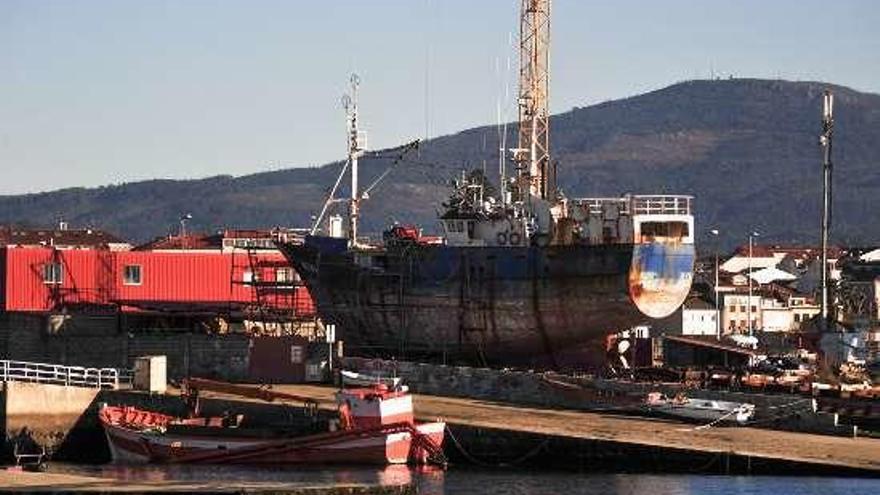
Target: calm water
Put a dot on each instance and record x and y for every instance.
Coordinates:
(473, 482)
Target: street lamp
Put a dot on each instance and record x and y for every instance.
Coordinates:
(183, 219)
(752, 235)
(715, 233)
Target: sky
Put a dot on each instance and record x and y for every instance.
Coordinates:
(104, 92)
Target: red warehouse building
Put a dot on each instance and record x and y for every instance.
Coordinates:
(177, 282)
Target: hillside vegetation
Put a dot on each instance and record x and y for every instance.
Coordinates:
(747, 149)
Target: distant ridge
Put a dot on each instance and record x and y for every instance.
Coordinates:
(746, 148)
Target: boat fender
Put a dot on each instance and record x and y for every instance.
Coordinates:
(514, 239)
(501, 238)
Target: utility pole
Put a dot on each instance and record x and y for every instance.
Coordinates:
(752, 235)
(825, 143)
(715, 233)
(355, 150)
(536, 176)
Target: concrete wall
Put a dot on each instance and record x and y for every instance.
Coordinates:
(42, 414)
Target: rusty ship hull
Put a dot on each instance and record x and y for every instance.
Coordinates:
(524, 305)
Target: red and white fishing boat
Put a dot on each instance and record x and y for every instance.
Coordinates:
(375, 426)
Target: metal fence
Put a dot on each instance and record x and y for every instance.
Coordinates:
(642, 204)
(56, 374)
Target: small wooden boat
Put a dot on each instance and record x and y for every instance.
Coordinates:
(355, 379)
(375, 426)
(700, 410)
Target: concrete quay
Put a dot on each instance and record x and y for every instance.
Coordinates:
(486, 432)
(497, 433)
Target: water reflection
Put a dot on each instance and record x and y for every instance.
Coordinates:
(457, 481)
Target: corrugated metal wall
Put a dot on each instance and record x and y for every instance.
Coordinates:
(97, 277)
(26, 289)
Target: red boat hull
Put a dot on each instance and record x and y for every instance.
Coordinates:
(386, 444)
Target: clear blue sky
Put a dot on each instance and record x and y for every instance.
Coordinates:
(102, 92)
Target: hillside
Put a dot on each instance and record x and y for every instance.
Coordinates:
(747, 149)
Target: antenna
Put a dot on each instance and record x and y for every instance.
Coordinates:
(355, 150)
(355, 146)
(825, 144)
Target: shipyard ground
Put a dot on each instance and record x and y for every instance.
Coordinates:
(26, 482)
(494, 433)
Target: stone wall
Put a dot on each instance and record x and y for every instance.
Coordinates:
(778, 411)
(95, 341)
(23, 336)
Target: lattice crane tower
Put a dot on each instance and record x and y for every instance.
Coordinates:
(533, 153)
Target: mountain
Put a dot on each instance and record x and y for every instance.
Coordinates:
(746, 148)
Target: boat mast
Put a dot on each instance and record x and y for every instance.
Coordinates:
(536, 176)
(825, 143)
(355, 150)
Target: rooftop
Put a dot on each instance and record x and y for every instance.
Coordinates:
(59, 237)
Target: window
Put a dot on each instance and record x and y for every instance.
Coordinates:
(754, 309)
(131, 275)
(664, 229)
(53, 273)
(285, 275)
(247, 277)
(742, 309)
(296, 354)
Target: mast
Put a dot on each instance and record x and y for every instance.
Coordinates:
(535, 171)
(355, 150)
(825, 143)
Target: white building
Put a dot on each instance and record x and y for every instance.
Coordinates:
(776, 316)
(698, 317)
(768, 314)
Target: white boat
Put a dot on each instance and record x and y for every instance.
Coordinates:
(701, 410)
(355, 379)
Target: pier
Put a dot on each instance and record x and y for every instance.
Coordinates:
(581, 439)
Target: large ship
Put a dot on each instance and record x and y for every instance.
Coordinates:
(529, 278)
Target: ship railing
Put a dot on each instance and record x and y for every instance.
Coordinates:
(598, 205)
(658, 204)
(57, 374)
(661, 205)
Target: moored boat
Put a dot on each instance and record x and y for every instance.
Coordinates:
(700, 410)
(353, 378)
(375, 426)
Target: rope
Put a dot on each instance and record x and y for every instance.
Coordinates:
(519, 460)
(757, 422)
(712, 423)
